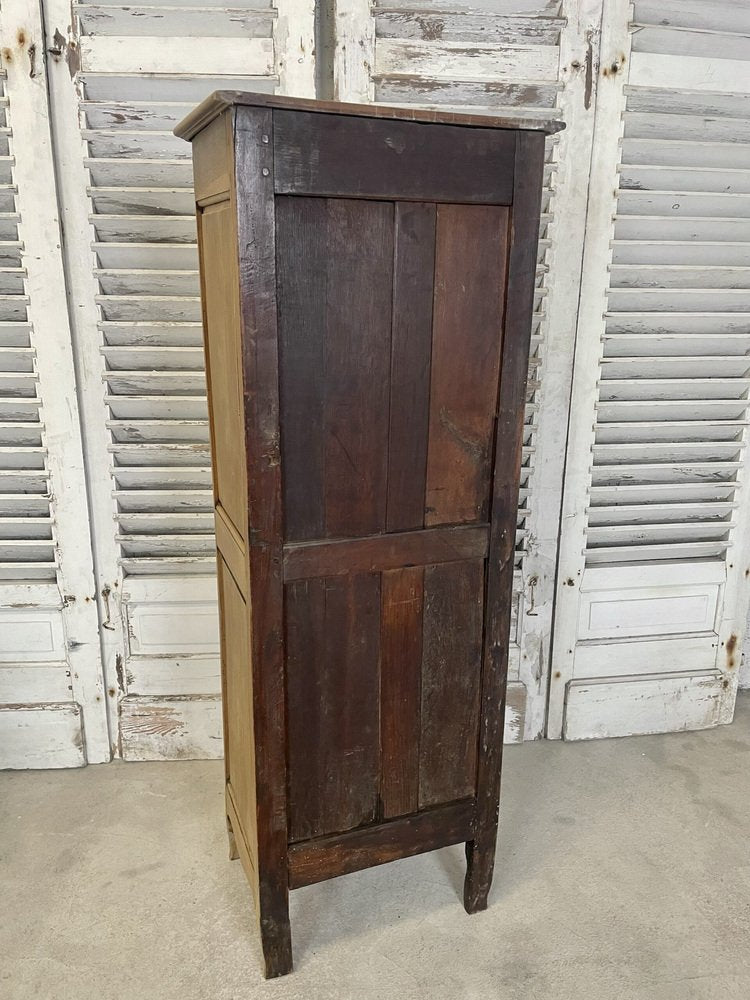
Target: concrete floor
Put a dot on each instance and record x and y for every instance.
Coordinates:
(623, 872)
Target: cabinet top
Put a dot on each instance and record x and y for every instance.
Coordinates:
(220, 100)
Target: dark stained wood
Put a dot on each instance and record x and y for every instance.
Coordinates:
(470, 264)
(366, 365)
(359, 253)
(359, 158)
(451, 680)
(520, 307)
(335, 260)
(400, 670)
(381, 552)
(333, 629)
(316, 860)
(411, 351)
(301, 253)
(220, 100)
(257, 274)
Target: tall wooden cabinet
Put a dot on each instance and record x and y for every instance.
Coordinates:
(367, 277)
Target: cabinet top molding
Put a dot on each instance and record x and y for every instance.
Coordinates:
(220, 100)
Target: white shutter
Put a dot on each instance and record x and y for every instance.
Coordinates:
(132, 263)
(536, 59)
(653, 554)
(52, 699)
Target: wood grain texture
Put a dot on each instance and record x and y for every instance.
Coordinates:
(382, 552)
(507, 467)
(223, 360)
(470, 265)
(333, 652)
(359, 254)
(335, 261)
(301, 253)
(328, 857)
(400, 694)
(256, 242)
(358, 158)
(451, 680)
(411, 350)
(238, 690)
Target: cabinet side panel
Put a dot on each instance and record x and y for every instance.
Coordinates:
(451, 675)
(238, 701)
(223, 364)
(332, 635)
(471, 247)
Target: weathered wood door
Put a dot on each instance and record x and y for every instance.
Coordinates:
(654, 554)
(390, 339)
(52, 694)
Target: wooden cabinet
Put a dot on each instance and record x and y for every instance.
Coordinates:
(368, 278)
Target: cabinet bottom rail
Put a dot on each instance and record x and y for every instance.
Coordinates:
(340, 854)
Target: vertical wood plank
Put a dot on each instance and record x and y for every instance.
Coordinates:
(400, 668)
(509, 438)
(301, 260)
(333, 641)
(451, 673)
(358, 336)
(414, 264)
(470, 266)
(257, 266)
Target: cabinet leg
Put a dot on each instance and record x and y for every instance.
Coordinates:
(276, 940)
(480, 863)
(233, 852)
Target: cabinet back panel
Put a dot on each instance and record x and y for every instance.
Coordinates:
(390, 325)
(334, 289)
(223, 364)
(390, 319)
(451, 681)
(332, 681)
(470, 265)
(383, 682)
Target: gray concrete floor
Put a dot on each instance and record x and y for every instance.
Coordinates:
(623, 871)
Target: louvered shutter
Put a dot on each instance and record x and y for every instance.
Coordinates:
(52, 705)
(524, 57)
(132, 263)
(653, 561)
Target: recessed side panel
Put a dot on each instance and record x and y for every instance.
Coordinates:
(223, 360)
(238, 704)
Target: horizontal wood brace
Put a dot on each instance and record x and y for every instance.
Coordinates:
(428, 546)
(339, 156)
(327, 857)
